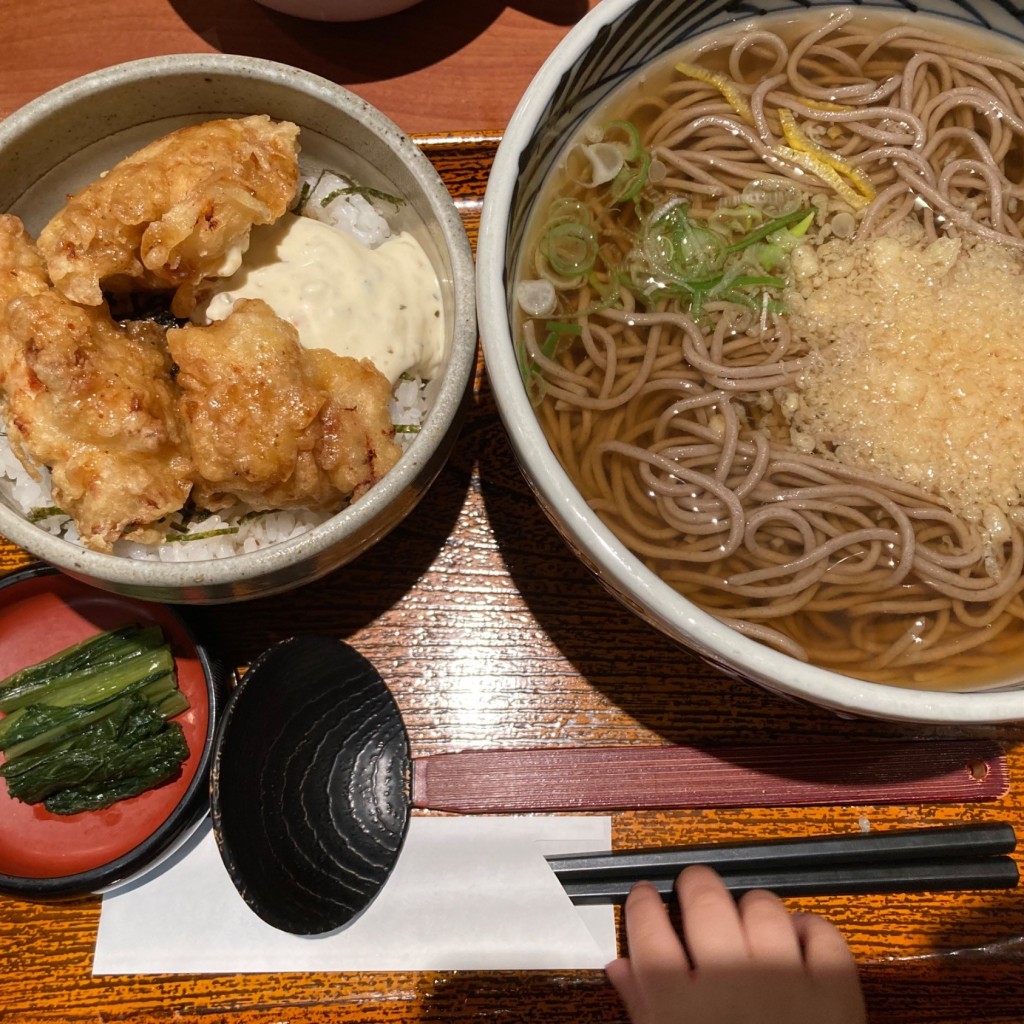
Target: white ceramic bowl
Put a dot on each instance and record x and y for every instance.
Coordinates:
(65, 138)
(607, 46)
(338, 10)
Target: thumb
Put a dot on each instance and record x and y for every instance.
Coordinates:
(620, 974)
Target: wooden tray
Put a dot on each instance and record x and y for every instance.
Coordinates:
(492, 634)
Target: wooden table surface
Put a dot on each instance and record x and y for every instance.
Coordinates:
(489, 630)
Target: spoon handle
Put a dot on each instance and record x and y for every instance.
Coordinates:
(659, 778)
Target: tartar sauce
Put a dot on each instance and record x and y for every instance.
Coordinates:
(383, 304)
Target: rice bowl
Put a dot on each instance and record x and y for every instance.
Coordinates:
(333, 204)
(126, 106)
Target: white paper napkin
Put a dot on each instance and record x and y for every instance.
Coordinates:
(467, 893)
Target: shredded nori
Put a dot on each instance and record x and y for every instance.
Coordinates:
(366, 192)
(152, 306)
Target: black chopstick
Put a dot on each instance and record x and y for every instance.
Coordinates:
(886, 849)
(840, 880)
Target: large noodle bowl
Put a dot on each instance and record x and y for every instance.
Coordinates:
(770, 320)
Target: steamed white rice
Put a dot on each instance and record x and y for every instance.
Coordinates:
(326, 197)
(213, 535)
(237, 530)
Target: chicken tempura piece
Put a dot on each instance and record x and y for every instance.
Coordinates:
(88, 399)
(250, 413)
(272, 424)
(358, 446)
(177, 211)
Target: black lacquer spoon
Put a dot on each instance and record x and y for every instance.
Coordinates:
(312, 783)
(309, 785)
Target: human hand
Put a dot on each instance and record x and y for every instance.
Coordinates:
(739, 962)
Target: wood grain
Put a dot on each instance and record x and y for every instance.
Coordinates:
(487, 628)
(492, 634)
(443, 65)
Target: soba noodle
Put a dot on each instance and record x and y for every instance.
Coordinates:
(681, 339)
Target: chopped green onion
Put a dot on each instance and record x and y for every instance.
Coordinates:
(771, 227)
(757, 282)
(570, 248)
(564, 210)
(529, 371)
(680, 247)
(204, 535)
(559, 327)
(602, 161)
(634, 148)
(631, 179)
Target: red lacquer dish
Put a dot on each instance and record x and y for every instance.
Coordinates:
(42, 611)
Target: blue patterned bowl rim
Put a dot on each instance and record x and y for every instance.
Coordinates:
(607, 46)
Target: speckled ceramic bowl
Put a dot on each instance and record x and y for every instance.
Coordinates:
(613, 42)
(65, 138)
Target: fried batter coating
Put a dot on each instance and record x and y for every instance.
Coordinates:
(88, 399)
(272, 424)
(250, 412)
(22, 271)
(177, 211)
(357, 447)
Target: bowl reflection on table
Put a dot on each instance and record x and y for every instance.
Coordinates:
(68, 137)
(628, 507)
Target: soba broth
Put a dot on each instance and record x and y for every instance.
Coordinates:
(769, 318)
